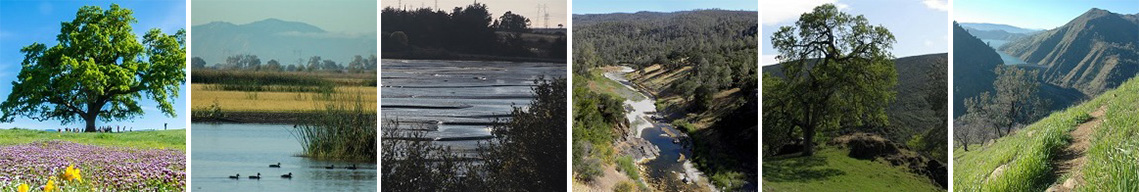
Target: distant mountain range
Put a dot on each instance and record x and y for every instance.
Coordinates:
(285, 41)
(997, 31)
(1093, 52)
(997, 27)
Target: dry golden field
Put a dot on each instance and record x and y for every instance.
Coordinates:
(203, 96)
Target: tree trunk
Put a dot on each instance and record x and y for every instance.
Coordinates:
(809, 140)
(90, 119)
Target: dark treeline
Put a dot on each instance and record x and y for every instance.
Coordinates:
(426, 32)
(720, 45)
(315, 63)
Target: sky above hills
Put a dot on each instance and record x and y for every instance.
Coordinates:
(526, 8)
(337, 16)
(631, 6)
(25, 22)
(920, 27)
(1034, 14)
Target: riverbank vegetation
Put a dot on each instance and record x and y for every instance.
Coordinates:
(527, 153)
(345, 130)
(698, 65)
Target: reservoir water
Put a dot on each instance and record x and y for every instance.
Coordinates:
(457, 99)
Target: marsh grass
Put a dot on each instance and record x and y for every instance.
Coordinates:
(343, 130)
(252, 81)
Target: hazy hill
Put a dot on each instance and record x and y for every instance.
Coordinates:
(1094, 52)
(995, 34)
(973, 63)
(285, 41)
(996, 27)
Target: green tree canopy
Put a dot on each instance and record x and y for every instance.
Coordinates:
(839, 72)
(98, 70)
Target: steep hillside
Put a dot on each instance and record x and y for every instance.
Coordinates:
(1093, 52)
(1033, 158)
(973, 63)
(285, 41)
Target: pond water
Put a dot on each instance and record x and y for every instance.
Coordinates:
(222, 150)
(458, 99)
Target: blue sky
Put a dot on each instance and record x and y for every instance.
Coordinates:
(630, 6)
(920, 26)
(1034, 14)
(24, 22)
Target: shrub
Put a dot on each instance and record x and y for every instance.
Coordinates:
(626, 165)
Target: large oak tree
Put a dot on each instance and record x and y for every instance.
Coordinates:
(839, 72)
(98, 71)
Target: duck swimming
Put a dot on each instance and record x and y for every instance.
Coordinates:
(330, 167)
(287, 176)
(258, 176)
(353, 167)
(278, 165)
(238, 176)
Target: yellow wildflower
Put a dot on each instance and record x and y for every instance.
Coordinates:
(71, 173)
(50, 186)
(22, 188)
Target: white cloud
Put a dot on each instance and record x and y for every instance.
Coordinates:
(940, 5)
(928, 43)
(765, 60)
(775, 12)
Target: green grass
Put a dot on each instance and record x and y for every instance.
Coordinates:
(830, 169)
(164, 139)
(1110, 160)
(598, 83)
(1113, 157)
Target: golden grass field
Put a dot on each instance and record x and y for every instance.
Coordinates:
(203, 96)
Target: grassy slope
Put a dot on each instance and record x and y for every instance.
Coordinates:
(166, 139)
(1026, 154)
(832, 170)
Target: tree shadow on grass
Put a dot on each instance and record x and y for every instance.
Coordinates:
(798, 169)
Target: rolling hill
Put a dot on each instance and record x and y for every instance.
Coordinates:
(909, 113)
(1093, 52)
(285, 41)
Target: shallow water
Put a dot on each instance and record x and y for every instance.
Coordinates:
(222, 150)
(466, 96)
(667, 166)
